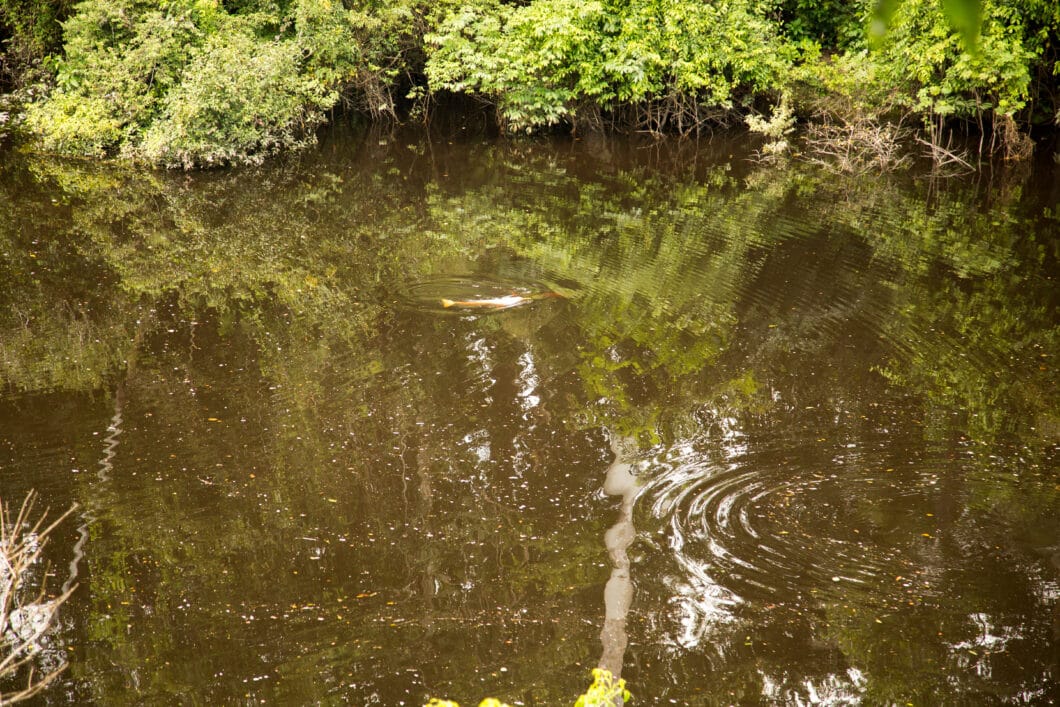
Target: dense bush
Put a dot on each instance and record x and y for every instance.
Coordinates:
(674, 61)
(927, 62)
(830, 23)
(121, 59)
(29, 31)
(670, 64)
(191, 83)
(923, 71)
(242, 99)
(201, 82)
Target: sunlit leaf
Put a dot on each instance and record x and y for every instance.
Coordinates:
(965, 16)
(882, 14)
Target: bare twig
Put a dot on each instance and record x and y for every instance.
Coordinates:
(24, 620)
(857, 146)
(944, 157)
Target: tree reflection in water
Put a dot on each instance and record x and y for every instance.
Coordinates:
(834, 400)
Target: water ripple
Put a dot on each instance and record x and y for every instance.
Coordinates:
(440, 294)
(772, 531)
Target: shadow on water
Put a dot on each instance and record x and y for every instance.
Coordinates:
(813, 418)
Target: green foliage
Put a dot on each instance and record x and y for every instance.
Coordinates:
(964, 16)
(776, 128)
(924, 58)
(525, 59)
(921, 67)
(199, 82)
(129, 54)
(122, 59)
(242, 99)
(830, 23)
(190, 83)
(540, 62)
(30, 29)
(80, 125)
(366, 51)
(846, 84)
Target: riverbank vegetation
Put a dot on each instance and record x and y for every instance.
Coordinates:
(187, 83)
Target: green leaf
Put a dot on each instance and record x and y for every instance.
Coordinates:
(966, 18)
(882, 14)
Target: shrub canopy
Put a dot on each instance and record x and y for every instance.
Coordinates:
(202, 82)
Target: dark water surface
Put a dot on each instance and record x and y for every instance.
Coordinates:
(754, 434)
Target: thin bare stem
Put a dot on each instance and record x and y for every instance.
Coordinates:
(24, 620)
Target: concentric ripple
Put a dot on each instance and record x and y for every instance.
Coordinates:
(772, 529)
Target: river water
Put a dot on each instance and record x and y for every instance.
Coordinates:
(750, 434)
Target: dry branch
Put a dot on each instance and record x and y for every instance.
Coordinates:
(25, 616)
